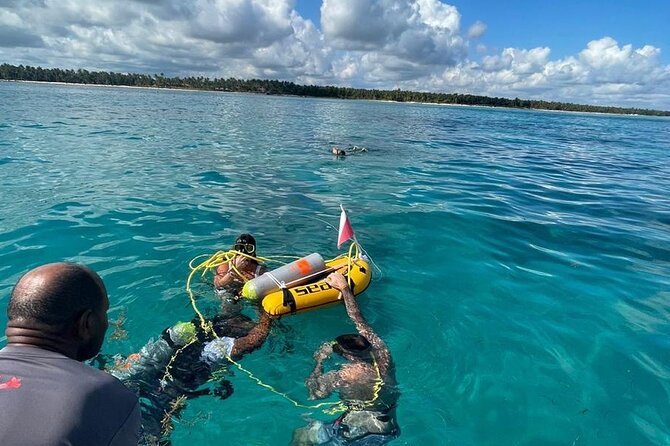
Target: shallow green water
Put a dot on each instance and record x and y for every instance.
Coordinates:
(525, 256)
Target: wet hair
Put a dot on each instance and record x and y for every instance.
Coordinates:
(353, 345)
(246, 238)
(65, 293)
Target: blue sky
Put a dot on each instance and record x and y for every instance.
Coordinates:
(564, 25)
(595, 52)
(567, 25)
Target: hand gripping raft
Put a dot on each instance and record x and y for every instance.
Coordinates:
(301, 285)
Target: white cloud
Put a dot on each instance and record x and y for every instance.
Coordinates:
(347, 68)
(384, 41)
(477, 30)
(603, 73)
(299, 56)
(256, 23)
(8, 18)
(410, 44)
(363, 24)
(87, 14)
(438, 15)
(517, 60)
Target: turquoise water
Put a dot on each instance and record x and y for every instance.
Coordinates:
(525, 256)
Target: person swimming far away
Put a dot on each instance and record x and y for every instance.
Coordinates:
(350, 150)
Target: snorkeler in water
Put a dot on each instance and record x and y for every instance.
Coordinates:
(183, 363)
(351, 150)
(242, 267)
(365, 382)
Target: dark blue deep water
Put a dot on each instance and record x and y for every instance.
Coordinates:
(525, 256)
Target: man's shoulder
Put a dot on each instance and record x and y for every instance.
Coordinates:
(101, 387)
(100, 378)
(31, 361)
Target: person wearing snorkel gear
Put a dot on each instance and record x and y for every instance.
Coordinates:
(365, 382)
(338, 152)
(242, 267)
(189, 359)
(348, 151)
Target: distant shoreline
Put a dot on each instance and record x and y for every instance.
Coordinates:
(81, 77)
(78, 84)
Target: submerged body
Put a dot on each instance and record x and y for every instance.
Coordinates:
(183, 362)
(366, 383)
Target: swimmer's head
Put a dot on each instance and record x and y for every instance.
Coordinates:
(338, 152)
(353, 345)
(245, 243)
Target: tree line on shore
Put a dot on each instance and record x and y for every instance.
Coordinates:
(276, 87)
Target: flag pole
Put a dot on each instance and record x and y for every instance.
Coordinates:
(353, 236)
(358, 245)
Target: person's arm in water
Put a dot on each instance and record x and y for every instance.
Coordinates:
(230, 271)
(254, 339)
(380, 349)
(318, 384)
(223, 275)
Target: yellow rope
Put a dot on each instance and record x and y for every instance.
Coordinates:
(349, 257)
(335, 406)
(167, 374)
(166, 423)
(221, 257)
(213, 262)
(343, 406)
(282, 394)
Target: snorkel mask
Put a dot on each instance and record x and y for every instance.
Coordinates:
(246, 244)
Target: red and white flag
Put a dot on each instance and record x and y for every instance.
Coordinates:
(346, 232)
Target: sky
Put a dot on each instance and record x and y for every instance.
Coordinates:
(614, 52)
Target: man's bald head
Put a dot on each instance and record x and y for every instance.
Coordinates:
(56, 294)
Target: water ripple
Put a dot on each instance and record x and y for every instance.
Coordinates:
(525, 256)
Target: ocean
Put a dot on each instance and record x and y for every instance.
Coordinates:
(524, 256)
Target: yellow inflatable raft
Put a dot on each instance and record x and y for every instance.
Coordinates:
(318, 293)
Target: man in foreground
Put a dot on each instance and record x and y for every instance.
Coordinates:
(57, 318)
(365, 382)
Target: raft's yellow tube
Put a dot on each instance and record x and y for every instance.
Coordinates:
(318, 293)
